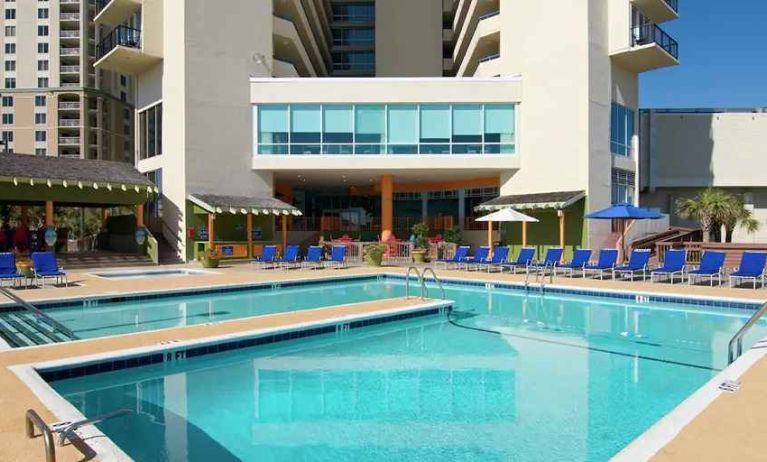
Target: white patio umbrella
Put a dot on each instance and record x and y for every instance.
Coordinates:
(506, 215)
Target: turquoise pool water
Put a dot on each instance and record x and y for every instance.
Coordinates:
(505, 377)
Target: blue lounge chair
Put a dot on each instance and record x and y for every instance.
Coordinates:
(500, 255)
(580, 259)
(673, 263)
(313, 257)
(289, 258)
(606, 262)
(44, 266)
(525, 257)
(711, 266)
(8, 271)
(552, 259)
(751, 267)
(479, 256)
(337, 257)
(267, 257)
(638, 263)
(460, 255)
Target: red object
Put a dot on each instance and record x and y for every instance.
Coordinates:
(190, 233)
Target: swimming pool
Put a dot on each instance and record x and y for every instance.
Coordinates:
(143, 274)
(507, 375)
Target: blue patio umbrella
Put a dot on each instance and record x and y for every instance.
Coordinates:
(624, 212)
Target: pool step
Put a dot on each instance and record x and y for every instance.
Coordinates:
(21, 329)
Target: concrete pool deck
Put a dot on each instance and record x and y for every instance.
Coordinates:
(727, 429)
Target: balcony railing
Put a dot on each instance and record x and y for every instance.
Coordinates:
(70, 52)
(75, 34)
(120, 36)
(489, 58)
(674, 4)
(69, 16)
(69, 140)
(70, 69)
(69, 105)
(646, 34)
(69, 123)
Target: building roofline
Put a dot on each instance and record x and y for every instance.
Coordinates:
(506, 78)
(706, 110)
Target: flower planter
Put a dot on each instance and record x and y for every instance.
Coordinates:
(210, 262)
(419, 255)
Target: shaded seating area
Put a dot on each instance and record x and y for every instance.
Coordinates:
(58, 188)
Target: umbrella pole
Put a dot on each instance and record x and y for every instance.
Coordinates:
(524, 234)
(490, 238)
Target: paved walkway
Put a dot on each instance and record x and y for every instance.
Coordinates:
(728, 430)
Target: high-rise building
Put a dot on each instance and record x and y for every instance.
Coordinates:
(54, 102)
(372, 115)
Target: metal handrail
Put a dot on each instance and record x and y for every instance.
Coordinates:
(407, 281)
(32, 419)
(39, 314)
(737, 339)
(434, 275)
(67, 428)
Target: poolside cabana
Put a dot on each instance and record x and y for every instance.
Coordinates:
(253, 208)
(28, 180)
(551, 208)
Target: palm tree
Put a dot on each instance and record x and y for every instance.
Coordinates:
(738, 214)
(707, 207)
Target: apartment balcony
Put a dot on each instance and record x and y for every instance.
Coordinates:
(651, 48)
(69, 17)
(69, 106)
(284, 69)
(70, 51)
(114, 12)
(70, 70)
(70, 84)
(489, 66)
(464, 31)
(289, 47)
(70, 123)
(69, 35)
(485, 42)
(69, 141)
(121, 51)
(658, 10)
(293, 11)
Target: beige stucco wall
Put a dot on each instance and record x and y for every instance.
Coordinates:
(408, 38)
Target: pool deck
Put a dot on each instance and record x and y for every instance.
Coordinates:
(728, 429)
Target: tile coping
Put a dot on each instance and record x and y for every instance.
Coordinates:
(37, 375)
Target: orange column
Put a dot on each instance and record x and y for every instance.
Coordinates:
(249, 230)
(561, 214)
(48, 213)
(140, 216)
(284, 220)
(387, 206)
(524, 234)
(104, 217)
(212, 231)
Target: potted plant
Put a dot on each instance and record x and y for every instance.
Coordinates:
(373, 253)
(24, 267)
(420, 231)
(453, 235)
(209, 258)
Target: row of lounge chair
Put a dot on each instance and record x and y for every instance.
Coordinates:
(291, 258)
(44, 268)
(711, 267)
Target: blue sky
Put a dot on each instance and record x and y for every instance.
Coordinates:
(723, 55)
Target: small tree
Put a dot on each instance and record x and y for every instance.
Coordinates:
(707, 207)
(738, 214)
(421, 232)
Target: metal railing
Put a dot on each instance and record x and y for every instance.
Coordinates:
(70, 69)
(32, 419)
(436, 279)
(645, 34)
(69, 34)
(69, 123)
(421, 275)
(70, 51)
(407, 281)
(69, 140)
(120, 36)
(69, 16)
(39, 315)
(69, 105)
(735, 347)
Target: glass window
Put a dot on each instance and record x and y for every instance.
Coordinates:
(273, 128)
(467, 128)
(623, 184)
(305, 128)
(370, 128)
(7, 101)
(435, 129)
(403, 129)
(621, 129)
(150, 132)
(40, 100)
(338, 129)
(499, 128)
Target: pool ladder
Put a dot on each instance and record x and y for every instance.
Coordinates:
(35, 320)
(540, 277)
(65, 430)
(421, 275)
(735, 347)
